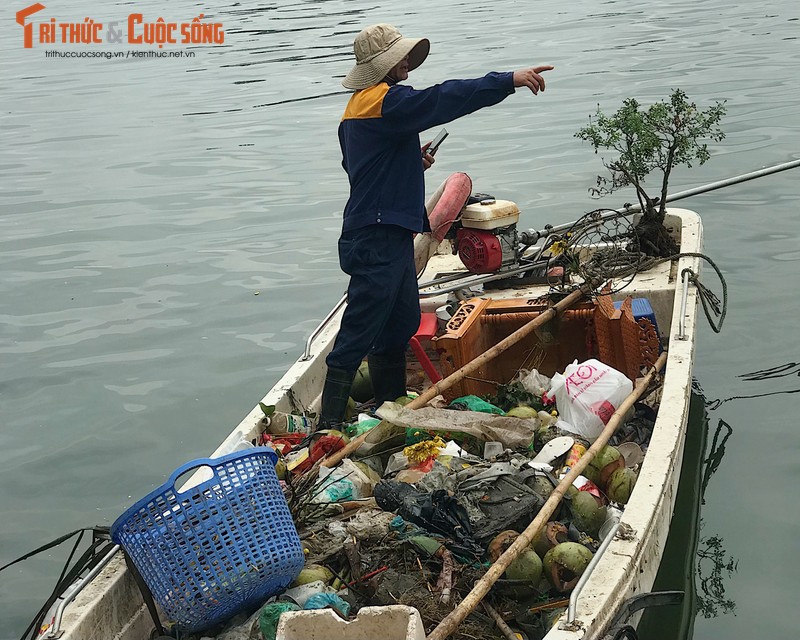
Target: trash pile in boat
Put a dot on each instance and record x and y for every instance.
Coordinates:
(435, 495)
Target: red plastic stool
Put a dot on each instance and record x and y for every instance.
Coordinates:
(427, 329)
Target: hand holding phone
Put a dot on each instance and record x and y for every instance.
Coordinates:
(434, 146)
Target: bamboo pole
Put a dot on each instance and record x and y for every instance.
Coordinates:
(505, 344)
(449, 624)
(498, 620)
(455, 377)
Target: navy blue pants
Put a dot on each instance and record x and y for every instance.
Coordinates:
(382, 312)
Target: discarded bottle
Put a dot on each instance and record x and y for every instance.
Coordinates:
(288, 423)
(575, 453)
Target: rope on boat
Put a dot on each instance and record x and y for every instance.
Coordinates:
(618, 256)
(96, 551)
(622, 264)
(709, 300)
(707, 297)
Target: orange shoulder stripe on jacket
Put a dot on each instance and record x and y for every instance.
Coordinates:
(366, 103)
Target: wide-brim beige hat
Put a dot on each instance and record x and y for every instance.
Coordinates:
(380, 47)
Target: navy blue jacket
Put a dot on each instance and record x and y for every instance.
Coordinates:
(379, 136)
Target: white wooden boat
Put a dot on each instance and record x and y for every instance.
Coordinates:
(108, 605)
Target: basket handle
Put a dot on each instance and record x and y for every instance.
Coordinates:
(213, 463)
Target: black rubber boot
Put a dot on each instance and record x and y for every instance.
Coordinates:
(388, 376)
(335, 394)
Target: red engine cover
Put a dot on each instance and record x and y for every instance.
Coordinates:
(480, 251)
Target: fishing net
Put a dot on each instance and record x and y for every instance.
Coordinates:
(601, 247)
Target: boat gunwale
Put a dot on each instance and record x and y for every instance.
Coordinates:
(620, 573)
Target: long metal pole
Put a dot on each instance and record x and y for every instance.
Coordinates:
(307, 353)
(734, 180)
(635, 208)
(684, 299)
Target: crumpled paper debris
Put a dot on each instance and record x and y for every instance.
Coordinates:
(514, 433)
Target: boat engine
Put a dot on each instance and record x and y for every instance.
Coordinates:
(487, 239)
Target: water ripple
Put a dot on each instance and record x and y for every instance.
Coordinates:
(145, 204)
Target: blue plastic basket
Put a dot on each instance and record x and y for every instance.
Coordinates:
(218, 548)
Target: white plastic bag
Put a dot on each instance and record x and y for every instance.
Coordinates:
(345, 482)
(534, 382)
(586, 395)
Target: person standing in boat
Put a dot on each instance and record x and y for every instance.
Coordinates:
(379, 137)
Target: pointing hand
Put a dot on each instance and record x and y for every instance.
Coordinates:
(531, 77)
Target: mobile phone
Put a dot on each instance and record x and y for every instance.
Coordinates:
(437, 141)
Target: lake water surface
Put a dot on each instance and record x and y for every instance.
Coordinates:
(168, 230)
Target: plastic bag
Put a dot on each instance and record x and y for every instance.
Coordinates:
(345, 482)
(397, 462)
(369, 525)
(334, 488)
(474, 403)
(587, 394)
(365, 423)
(328, 601)
(512, 432)
(437, 512)
(269, 616)
(534, 382)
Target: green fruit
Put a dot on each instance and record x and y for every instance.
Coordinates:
(620, 485)
(572, 491)
(603, 465)
(588, 515)
(523, 411)
(350, 412)
(551, 535)
(361, 391)
(526, 566)
(564, 564)
(312, 573)
(591, 473)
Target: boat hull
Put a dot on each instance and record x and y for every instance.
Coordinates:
(111, 607)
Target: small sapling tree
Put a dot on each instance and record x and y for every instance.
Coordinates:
(660, 138)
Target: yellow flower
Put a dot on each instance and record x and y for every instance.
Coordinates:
(422, 451)
(558, 247)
